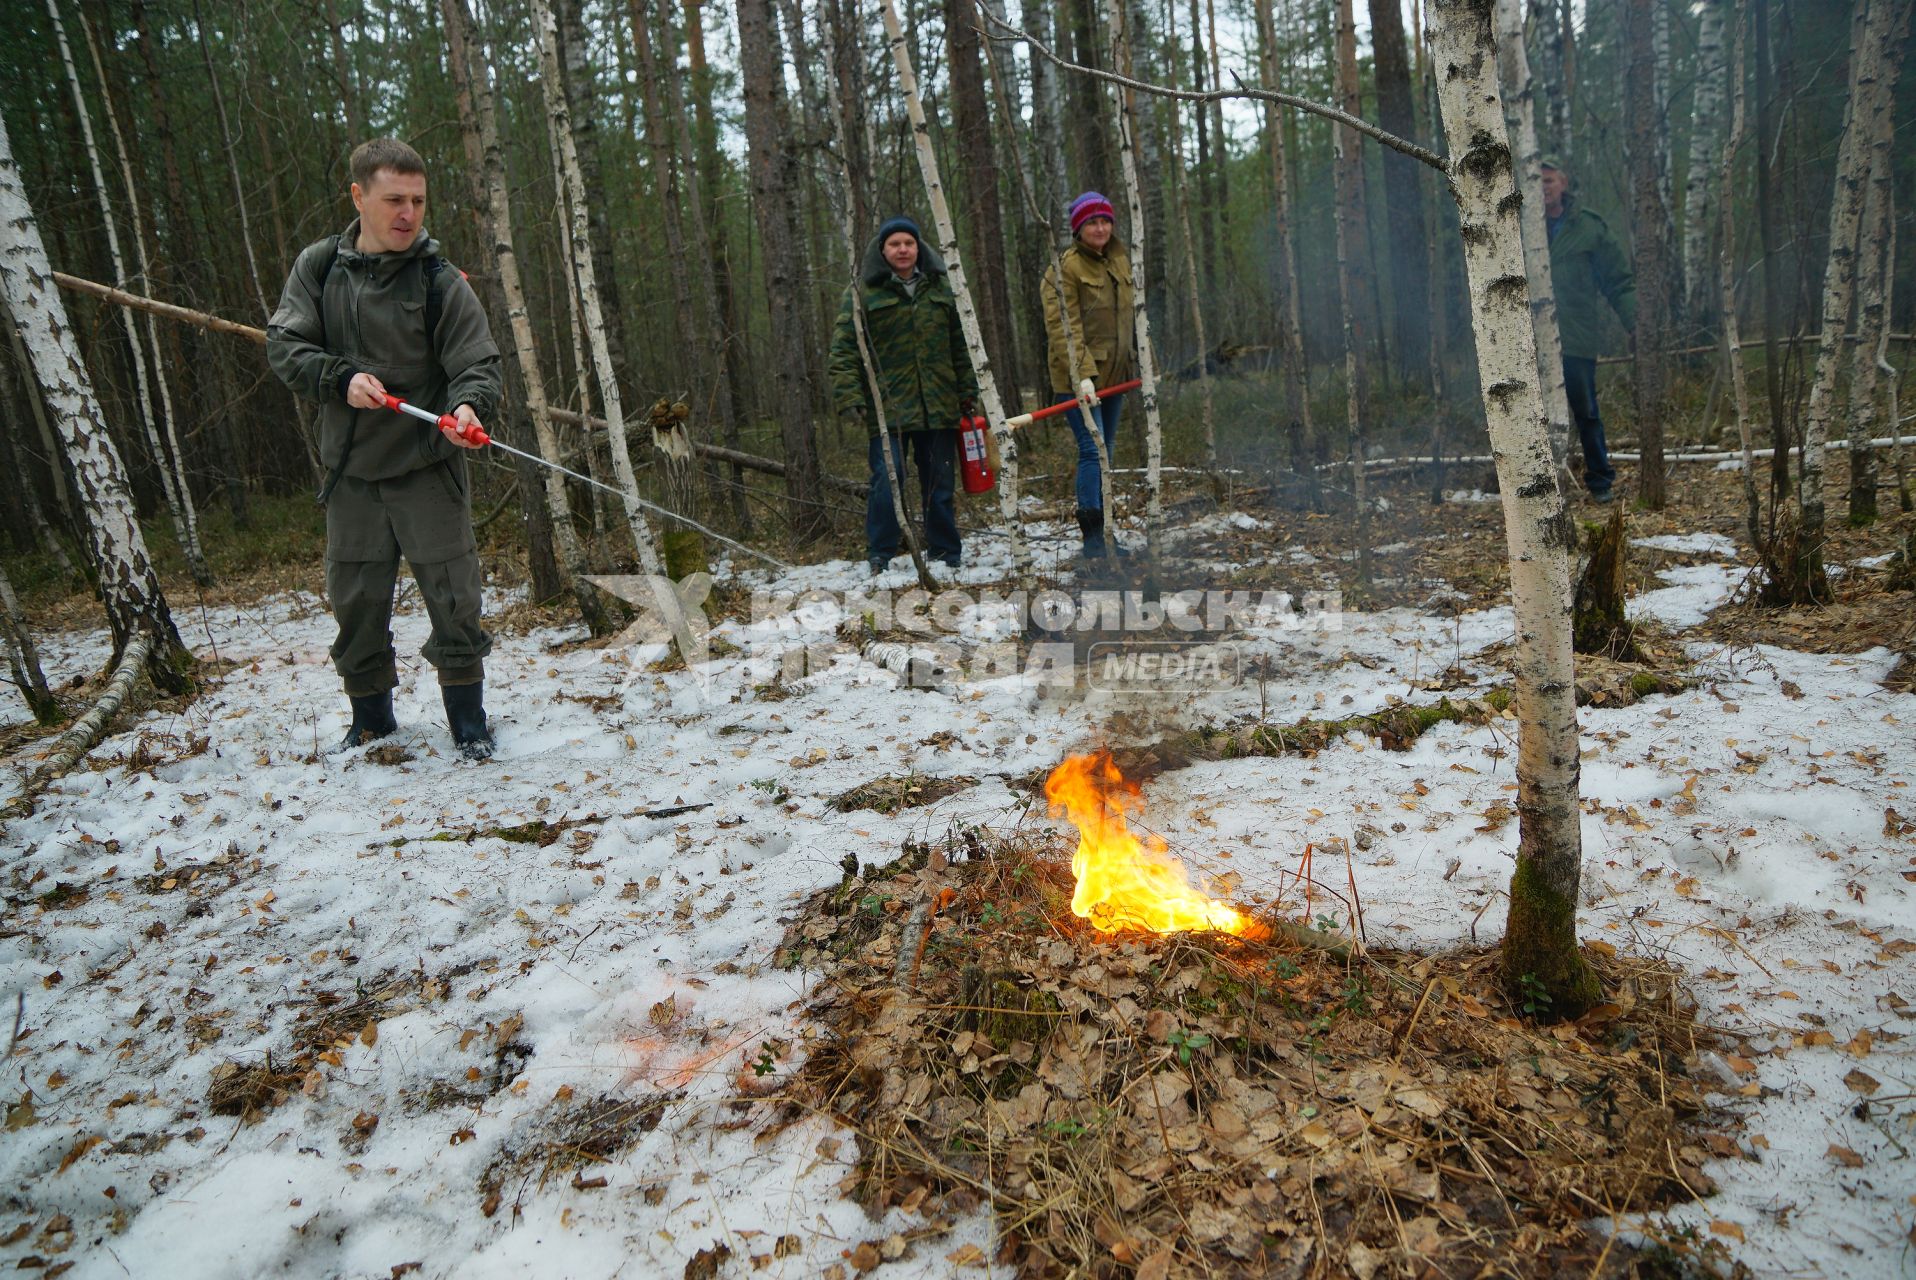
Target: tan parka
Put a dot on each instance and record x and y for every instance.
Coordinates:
(1097, 300)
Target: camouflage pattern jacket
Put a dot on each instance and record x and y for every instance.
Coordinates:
(924, 371)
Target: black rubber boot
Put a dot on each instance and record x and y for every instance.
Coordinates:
(1091, 525)
(372, 720)
(466, 717)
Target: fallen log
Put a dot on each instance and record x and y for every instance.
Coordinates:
(86, 731)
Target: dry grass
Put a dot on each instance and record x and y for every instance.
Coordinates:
(1205, 1105)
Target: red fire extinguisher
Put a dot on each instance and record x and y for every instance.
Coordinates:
(973, 458)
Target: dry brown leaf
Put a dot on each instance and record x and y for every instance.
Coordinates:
(865, 1256)
(1844, 1156)
(81, 1145)
(1157, 1266)
(1729, 1230)
(966, 1255)
(1861, 1081)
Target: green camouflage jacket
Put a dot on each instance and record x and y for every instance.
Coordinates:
(924, 371)
(1588, 268)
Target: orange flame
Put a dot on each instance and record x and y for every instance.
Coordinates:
(1122, 883)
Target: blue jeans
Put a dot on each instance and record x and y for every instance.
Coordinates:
(1090, 487)
(937, 455)
(1580, 387)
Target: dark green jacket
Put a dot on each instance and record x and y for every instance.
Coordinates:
(375, 322)
(1587, 266)
(924, 371)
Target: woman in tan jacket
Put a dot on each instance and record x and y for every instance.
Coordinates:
(1096, 303)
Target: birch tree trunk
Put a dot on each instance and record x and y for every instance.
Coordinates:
(768, 152)
(1706, 124)
(1727, 326)
(577, 75)
(1649, 217)
(583, 273)
(135, 605)
(179, 499)
(671, 432)
(1141, 318)
(971, 122)
(1875, 273)
(1297, 374)
(1047, 111)
(1549, 26)
(1876, 45)
(171, 459)
(716, 367)
(1513, 66)
(967, 311)
(1766, 199)
(1347, 174)
(1194, 279)
(1540, 936)
(23, 660)
(471, 66)
(595, 465)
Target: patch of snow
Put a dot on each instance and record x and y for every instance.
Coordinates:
(1707, 544)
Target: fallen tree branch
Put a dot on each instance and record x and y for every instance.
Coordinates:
(87, 730)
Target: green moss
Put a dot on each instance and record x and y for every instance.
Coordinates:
(1543, 969)
(1645, 683)
(684, 553)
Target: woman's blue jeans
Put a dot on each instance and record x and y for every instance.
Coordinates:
(1090, 486)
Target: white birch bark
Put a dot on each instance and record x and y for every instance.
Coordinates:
(525, 351)
(1706, 124)
(1182, 195)
(1141, 318)
(1871, 351)
(588, 288)
(130, 590)
(23, 659)
(1347, 173)
(1727, 326)
(577, 326)
(1520, 115)
(172, 460)
(1540, 936)
(854, 252)
(1047, 111)
(179, 499)
(967, 310)
(1875, 49)
(1547, 23)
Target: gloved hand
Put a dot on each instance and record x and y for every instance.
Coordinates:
(966, 409)
(1088, 392)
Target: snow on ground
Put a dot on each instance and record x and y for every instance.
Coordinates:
(1708, 544)
(1758, 831)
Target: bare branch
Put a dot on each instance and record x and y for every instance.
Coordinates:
(1365, 127)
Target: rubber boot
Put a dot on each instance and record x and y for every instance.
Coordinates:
(1091, 525)
(372, 720)
(466, 717)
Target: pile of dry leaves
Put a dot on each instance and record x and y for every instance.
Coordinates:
(1204, 1105)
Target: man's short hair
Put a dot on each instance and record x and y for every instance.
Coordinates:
(383, 153)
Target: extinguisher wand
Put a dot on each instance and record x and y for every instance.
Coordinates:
(475, 435)
(1066, 406)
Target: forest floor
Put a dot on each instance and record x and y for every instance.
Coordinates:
(760, 964)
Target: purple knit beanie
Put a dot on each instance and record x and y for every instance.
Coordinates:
(1088, 206)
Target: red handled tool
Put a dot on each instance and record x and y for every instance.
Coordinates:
(475, 435)
(1066, 406)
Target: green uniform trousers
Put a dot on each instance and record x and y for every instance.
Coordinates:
(425, 515)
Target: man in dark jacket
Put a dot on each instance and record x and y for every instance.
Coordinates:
(370, 312)
(1586, 264)
(924, 376)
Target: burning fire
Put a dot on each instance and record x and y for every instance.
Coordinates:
(1123, 883)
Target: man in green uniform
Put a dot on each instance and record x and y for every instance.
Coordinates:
(924, 375)
(370, 312)
(1586, 264)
